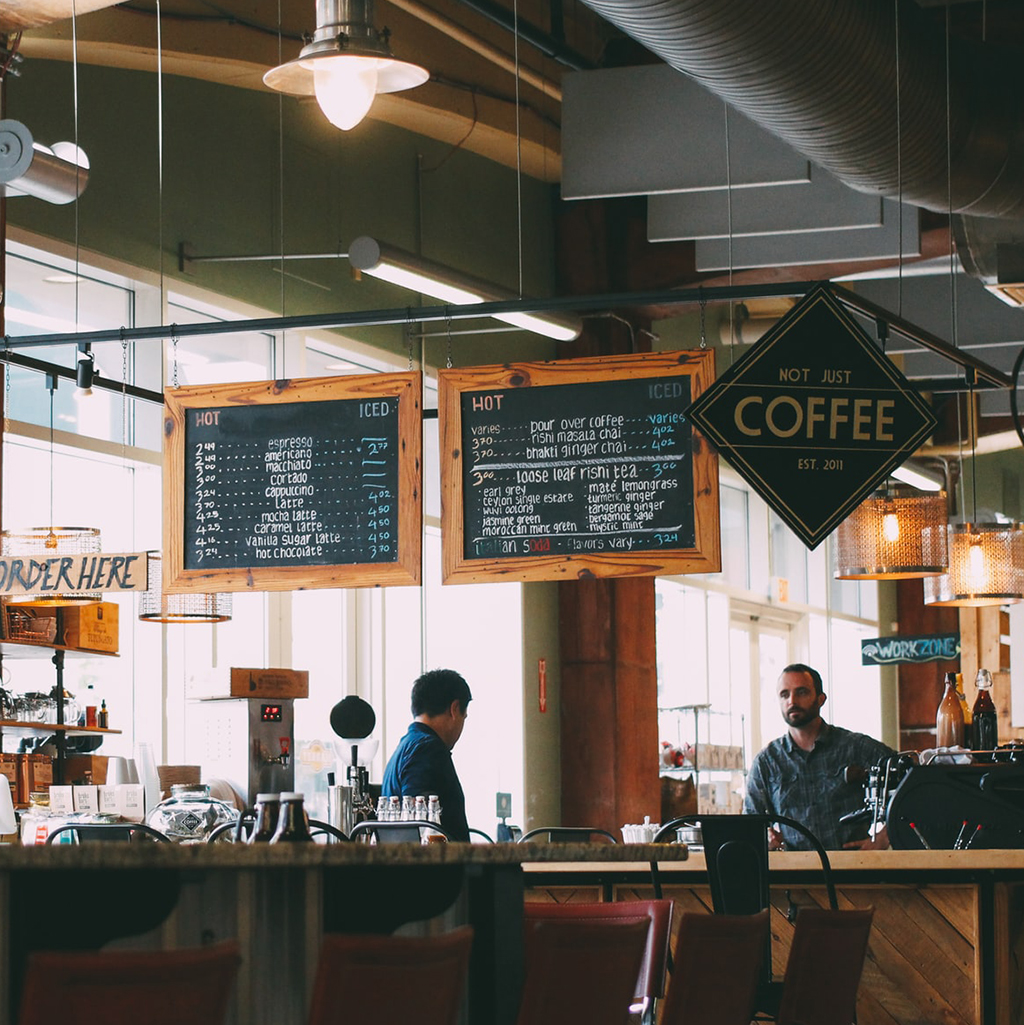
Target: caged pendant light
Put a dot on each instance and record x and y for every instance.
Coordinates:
(157, 607)
(895, 534)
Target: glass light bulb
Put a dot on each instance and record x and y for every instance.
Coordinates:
(891, 528)
(977, 569)
(345, 88)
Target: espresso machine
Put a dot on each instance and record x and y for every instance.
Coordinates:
(352, 802)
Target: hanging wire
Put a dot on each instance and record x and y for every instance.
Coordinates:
(409, 327)
(519, 147)
(78, 168)
(280, 188)
(7, 386)
(728, 194)
(174, 354)
(703, 321)
(160, 171)
(899, 165)
(448, 336)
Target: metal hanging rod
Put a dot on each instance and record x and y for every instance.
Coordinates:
(580, 304)
(107, 384)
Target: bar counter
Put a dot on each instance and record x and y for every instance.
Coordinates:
(277, 902)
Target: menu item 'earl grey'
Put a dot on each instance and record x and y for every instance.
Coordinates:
(577, 468)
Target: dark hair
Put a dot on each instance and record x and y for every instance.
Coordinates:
(434, 692)
(799, 667)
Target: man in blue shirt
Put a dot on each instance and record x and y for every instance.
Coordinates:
(422, 762)
(802, 774)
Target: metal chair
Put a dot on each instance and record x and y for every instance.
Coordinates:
(479, 832)
(567, 834)
(717, 969)
(736, 856)
(824, 967)
(651, 980)
(125, 987)
(131, 832)
(391, 979)
(238, 831)
(409, 831)
(580, 971)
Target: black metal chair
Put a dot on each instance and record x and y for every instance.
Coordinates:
(409, 831)
(736, 857)
(567, 834)
(479, 832)
(131, 832)
(239, 830)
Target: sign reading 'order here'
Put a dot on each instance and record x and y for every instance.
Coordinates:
(814, 417)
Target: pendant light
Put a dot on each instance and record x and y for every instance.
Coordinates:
(52, 541)
(157, 607)
(986, 560)
(346, 64)
(895, 534)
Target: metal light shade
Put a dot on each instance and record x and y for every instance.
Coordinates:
(986, 565)
(896, 534)
(52, 542)
(157, 607)
(345, 65)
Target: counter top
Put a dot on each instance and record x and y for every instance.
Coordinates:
(112, 854)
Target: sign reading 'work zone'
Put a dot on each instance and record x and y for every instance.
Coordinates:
(814, 417)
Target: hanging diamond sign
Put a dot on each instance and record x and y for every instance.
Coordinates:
(814, 416)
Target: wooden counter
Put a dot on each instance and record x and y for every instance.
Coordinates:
(278, 901)
(947, 943)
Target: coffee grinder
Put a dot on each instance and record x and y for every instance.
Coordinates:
(352, 719)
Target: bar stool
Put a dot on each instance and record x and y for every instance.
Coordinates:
(392, 980)
(651, 980)
(125, 987)
(717, 969)
(581, 970)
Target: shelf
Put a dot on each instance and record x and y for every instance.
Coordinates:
(68, 729)
(10, 648)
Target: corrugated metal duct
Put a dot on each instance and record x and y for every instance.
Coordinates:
(821, 75)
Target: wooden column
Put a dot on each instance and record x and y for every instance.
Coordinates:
(609, 687)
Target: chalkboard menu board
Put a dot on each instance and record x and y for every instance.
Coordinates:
(283, 485)
(577, 468)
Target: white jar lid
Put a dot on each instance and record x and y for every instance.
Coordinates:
(267, 797)
(292, 795)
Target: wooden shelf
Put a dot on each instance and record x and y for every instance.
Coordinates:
(11, 648)
(69, 729)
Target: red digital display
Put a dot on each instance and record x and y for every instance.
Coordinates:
(270, 713)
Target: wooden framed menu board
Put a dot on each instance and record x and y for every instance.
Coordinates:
(577, 468)
(286, 485)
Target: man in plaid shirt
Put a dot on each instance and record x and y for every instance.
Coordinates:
(802, 774)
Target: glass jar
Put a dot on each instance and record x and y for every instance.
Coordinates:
(190, 814)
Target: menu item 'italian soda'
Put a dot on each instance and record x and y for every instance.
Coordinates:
(578, 468)
(292, 484)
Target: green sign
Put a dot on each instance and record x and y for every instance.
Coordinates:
(814, 417)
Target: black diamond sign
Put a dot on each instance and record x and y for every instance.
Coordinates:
(814, 417)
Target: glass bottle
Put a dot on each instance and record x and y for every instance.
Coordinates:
(292, 825)
(949, 718)
(966, 709)
(268, 807)
(102, 718)
(986, 722)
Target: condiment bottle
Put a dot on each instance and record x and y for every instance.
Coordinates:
(268, 807)
(101, 716)
(292, 825)
(986, 722)
(949, 719)
(966, 709)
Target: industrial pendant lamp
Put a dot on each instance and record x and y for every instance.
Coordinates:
(896, 534)
(986, 560)
(346, 64)
(157, 607)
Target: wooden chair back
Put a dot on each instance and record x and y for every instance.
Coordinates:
(824, 967)
(653, 973)
(580, 970)
(717, 968)
(125, 987)
(391, 980)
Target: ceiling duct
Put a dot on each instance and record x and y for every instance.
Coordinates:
(822, 77)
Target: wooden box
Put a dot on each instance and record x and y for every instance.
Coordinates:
(269, 683)
(85, 769)
(35, 773)
(90, 627)
(9, 768)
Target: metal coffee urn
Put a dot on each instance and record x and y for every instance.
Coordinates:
(350, 803)
(248, 737)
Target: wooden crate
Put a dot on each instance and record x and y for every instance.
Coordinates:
(90, 627)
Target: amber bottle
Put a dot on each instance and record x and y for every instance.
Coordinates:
(949, 719)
